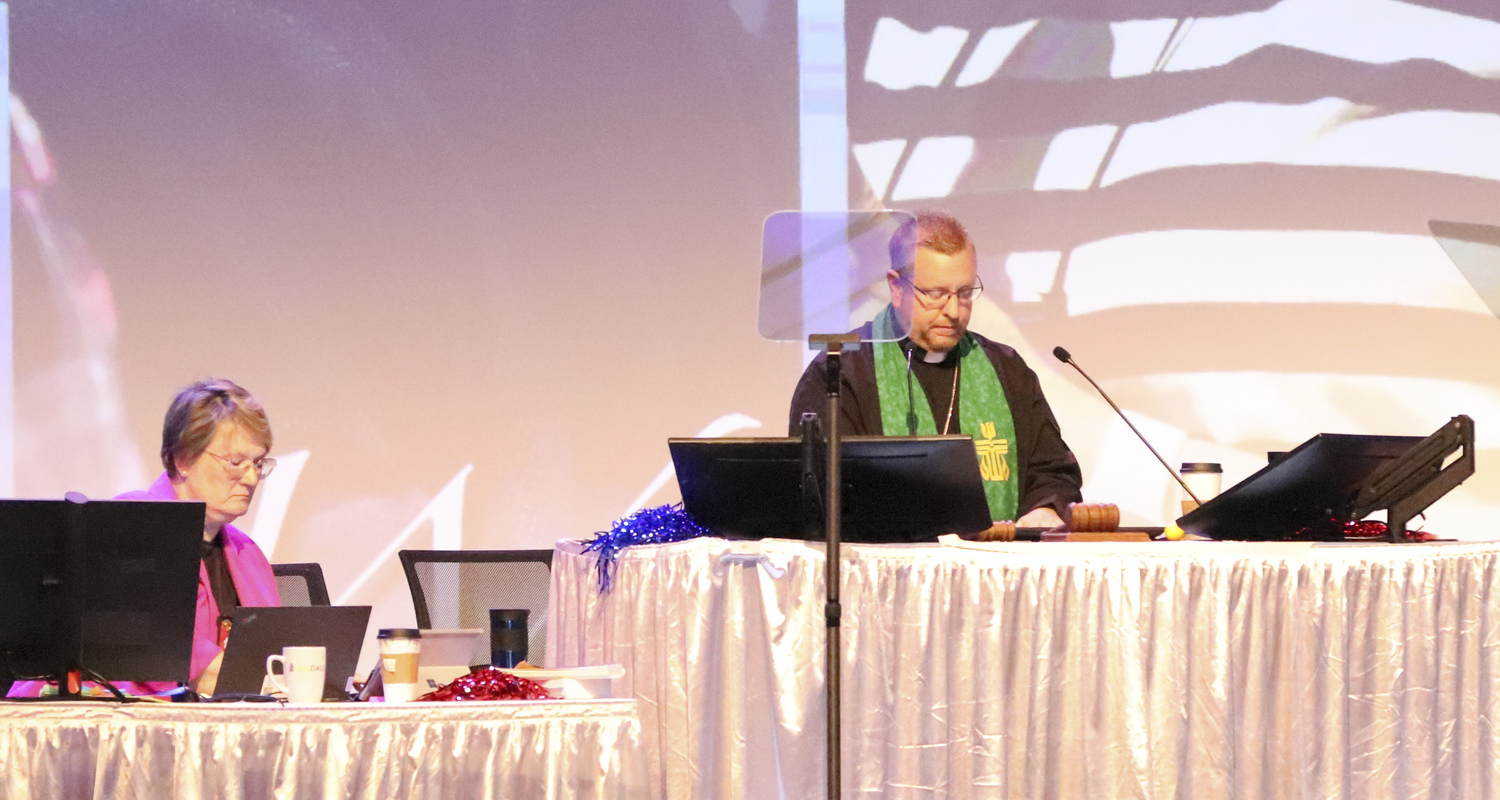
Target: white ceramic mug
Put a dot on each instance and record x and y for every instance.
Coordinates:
(303, 668)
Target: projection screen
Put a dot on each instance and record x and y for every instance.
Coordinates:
(481, 260)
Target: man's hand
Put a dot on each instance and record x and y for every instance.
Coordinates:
(1043, 517)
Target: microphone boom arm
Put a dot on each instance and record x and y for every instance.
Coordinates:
(1063, 356)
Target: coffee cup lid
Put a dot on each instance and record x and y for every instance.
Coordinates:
(1201, 466)
(399, 633)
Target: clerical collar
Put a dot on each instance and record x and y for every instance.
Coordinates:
(925, 356)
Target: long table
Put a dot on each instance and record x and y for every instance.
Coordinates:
(526, 750)
(1026, 670)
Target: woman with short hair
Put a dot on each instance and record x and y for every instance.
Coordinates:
(214, 447)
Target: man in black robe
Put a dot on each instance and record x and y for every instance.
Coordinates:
(932, 292)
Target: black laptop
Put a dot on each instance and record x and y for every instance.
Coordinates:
(259, 632)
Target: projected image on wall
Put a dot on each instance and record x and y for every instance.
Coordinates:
(480, 263)
(1223, 215)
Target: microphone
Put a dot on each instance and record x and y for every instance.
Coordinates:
(1063, 356)
(911, 408)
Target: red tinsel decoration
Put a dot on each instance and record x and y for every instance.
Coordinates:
(1360, 529)
(489, 683)
(1364, 529)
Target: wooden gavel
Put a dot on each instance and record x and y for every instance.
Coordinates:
(1084, 518)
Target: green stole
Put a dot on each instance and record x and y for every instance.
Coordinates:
(983, 411)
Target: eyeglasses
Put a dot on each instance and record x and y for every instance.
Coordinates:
(938, 298)
(236, 467)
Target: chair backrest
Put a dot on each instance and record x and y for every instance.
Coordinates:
(457, 589)
(300, 584)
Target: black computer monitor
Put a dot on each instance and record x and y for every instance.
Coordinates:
(110, 587)
(896, 489)
(1306, 495)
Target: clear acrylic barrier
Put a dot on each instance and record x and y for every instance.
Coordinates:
(1475, 250)
(825, 271)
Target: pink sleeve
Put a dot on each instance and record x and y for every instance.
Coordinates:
(253, 582)
(205, 627)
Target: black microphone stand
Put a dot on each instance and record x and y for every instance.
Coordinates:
(833, 344)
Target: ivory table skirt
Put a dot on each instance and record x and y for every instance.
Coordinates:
(527, 751)
(1067, 670)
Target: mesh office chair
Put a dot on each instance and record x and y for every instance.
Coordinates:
(300, 584)
(457, 589)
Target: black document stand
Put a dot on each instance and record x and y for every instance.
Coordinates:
(1333, 478)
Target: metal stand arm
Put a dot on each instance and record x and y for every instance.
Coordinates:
(832, 577)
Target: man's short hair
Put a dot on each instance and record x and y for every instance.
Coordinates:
(196, 413)
(934, 230)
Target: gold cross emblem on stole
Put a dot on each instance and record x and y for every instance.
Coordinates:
(992, 451)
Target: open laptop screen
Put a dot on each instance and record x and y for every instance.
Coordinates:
(259, 632)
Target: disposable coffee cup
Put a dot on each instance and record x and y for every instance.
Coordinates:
(302, 673)
(1205, 479)
(508, 636)
(399, 651)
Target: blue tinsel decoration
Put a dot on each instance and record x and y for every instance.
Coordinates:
(658, 525)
